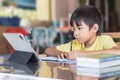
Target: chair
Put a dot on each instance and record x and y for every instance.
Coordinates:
(114, 35)
(40, 37)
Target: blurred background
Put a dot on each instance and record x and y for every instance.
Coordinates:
(45, 23)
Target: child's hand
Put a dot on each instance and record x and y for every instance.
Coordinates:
(62, 55)
(74, 54)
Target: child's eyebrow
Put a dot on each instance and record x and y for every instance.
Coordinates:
(79, 24)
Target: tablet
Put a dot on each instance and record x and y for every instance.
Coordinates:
(22, 48)
(18, 42)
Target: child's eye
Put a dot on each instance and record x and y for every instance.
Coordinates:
(79, 28)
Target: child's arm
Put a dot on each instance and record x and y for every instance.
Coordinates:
(54, 52)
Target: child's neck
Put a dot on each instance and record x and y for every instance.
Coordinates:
(90, 42)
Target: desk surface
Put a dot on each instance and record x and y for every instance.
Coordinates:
(46, 69)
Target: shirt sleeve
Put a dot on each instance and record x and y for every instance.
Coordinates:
(64, 47)
(109, 43)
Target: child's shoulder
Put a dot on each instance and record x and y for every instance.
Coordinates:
(104, 36)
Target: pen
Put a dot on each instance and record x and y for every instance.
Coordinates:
(71, 46)
(70, 49)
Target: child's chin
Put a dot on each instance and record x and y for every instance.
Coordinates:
(80, 41)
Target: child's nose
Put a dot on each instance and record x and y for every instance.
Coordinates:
(76, 33)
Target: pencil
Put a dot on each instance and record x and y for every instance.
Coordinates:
(71, 46)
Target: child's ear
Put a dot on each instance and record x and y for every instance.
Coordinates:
(95, 27)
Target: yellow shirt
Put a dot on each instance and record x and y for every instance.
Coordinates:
(102, 42)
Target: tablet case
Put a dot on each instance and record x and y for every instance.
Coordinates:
(23, 52)
(23, 57)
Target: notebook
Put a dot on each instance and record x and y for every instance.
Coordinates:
(23, 51)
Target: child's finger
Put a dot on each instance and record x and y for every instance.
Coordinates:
(66, 55)
(59, 56)
(62, 55)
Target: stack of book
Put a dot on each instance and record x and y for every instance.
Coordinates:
(99, 65)
(98, 60)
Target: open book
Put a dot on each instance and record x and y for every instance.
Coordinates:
(51, 58)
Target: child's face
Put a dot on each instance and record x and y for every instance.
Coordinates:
(83, 33)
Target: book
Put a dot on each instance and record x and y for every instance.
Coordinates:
(98, 60)
(94, 72)
(101, 73)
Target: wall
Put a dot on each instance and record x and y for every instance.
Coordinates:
(43, 10)
(55, 9)
(62, 8)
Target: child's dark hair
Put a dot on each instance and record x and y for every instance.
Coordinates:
(89, 14)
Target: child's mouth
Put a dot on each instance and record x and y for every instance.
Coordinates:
(78, 39)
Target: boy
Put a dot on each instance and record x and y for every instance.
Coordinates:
(85, 22)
